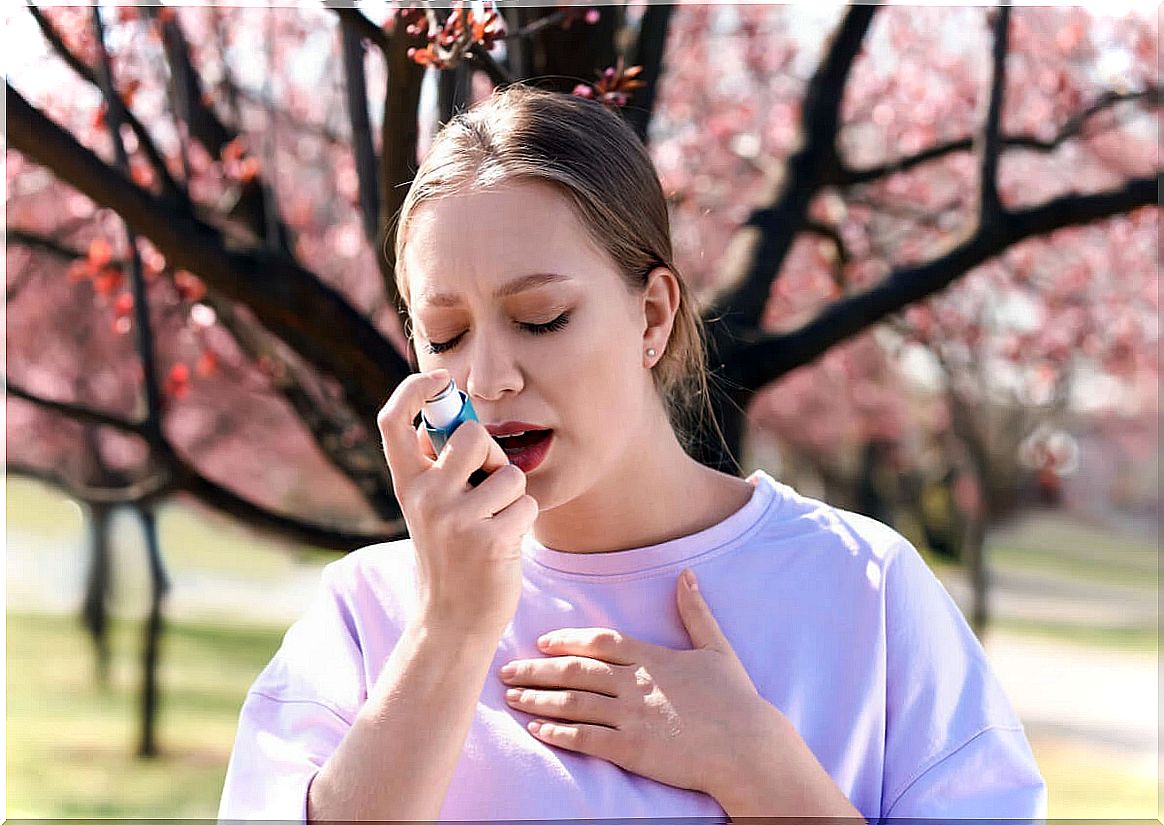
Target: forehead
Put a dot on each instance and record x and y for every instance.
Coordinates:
(480, 240)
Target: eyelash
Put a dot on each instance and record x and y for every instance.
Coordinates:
(435, 347)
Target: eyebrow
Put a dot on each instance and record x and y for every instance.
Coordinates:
(525, 282)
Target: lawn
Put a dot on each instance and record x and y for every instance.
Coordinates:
(70, 743)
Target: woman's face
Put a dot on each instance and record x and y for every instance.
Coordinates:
(533, 321)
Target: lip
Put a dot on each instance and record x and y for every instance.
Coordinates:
(510, 427)
(530, 458)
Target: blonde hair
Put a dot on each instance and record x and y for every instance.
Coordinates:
(593, 157)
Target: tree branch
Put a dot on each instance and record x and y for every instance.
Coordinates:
(480, 58)
(143, 326)
(356, 86)
(140, 492)
(205, 127)
(78, 412)
(399, 135)
(41, 243)
(648, 53)
(761, 245)
(310, 316)
(170, 188)
(354, 20)
(1072, 128)
(328, 423)
(989, 206)
(177, 474)
(756, 363)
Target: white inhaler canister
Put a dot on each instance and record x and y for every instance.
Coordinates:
(443, 413)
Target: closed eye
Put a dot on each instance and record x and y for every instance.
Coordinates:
(437, 347)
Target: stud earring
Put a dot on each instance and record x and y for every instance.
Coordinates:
(651, 352)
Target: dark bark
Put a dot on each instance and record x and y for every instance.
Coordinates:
(991, 147)
(98, 586)
(311, 317)
(143, 330)
(254, 207)
(563, 58)
(152, 639)
(356, 87)
(1074, 126)
(399, 135)
(175, 474)
(741, 296)
(649, 53)
(759, 360)
(452, 91)
(170, 189)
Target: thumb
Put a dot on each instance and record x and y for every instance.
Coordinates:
(697, 617)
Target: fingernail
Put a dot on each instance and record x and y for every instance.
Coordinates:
(507, 671)
(689, 580)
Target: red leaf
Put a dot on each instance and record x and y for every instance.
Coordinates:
(178, 381)
(100, 253)
(190, 286)
(108, 280)
(234, 150)
(123, 305)
(207, 364)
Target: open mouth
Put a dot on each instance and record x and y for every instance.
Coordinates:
(526, 449)
(521, 441)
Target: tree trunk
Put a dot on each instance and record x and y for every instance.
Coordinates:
(94, 610)
(974, 554)
(159, 586)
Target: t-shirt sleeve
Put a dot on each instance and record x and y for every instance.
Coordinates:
(296, 713)
(954, 747)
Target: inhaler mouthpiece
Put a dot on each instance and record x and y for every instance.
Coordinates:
(443, 410)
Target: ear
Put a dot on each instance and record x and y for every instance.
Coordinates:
(660, 306)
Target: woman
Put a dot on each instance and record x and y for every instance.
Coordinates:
(819, 669)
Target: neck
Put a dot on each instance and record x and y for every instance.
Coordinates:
(645, 501)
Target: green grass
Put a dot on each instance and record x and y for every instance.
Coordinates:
(1076, 549)
(71, 744)
(1138, 639)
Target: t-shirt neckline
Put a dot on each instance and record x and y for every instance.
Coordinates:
(665, 554)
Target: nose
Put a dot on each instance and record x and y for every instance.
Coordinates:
(493, 368)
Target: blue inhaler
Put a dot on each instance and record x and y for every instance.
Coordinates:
(442, 414)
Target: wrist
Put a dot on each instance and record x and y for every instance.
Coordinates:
(777, 774)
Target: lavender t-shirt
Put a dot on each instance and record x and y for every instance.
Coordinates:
(836, 617)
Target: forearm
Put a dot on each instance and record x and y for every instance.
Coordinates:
(397, 760)
(781, 777)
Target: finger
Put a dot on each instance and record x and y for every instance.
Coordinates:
(469, 448)
(571, 705)
(395, 422)
(593, 740)
(424, 442)
(574, 672)
(498, 491)
(603, 643)
(517, 517)
(697, 617)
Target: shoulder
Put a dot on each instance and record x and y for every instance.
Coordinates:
(811, 526)
(370, 584)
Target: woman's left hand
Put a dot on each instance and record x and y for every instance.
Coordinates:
(687, 718)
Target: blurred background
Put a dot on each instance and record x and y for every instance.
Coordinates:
(925, 240)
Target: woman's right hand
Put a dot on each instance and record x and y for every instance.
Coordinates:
(467, 539)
